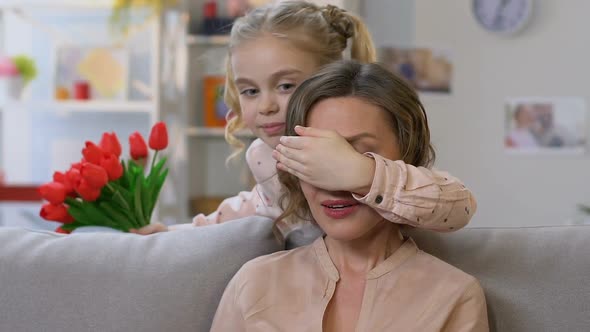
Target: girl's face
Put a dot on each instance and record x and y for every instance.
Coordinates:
(368, 129)
(266, 71)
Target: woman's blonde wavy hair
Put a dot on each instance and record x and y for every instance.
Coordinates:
(321, 31)
(375, 85)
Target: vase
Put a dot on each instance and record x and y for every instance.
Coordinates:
(11, 88)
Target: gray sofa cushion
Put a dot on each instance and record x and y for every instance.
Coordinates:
(123, 282)
(535, 279)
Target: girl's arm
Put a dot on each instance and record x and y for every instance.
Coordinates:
(260, 201)
(245, 204)
(418, 196)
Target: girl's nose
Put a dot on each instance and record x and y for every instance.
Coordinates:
(268, 105)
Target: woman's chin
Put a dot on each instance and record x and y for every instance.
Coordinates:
(344, 230)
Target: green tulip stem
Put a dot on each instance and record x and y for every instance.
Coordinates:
(154, 160)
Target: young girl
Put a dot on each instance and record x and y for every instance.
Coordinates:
(272, 50)
(362, 275)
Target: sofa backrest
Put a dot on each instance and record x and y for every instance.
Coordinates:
(535, 278)
(123, 282)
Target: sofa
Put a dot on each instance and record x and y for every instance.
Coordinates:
(535, 279)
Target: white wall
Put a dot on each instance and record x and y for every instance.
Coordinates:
(549, 58)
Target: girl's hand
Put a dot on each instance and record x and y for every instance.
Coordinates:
(325, 160)
(150, 229)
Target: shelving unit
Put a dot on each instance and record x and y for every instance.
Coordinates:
(215, 132)
(33, 130)
(220, 40)
(84, 106)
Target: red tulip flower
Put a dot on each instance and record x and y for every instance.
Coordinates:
(88, 192)
(94, 175)
(159, 136)
(78, 166)
(56, 212)
(110, 144)
(61, 231)
(54, 192)
(113, 167)
(92, 153)
(62, 178)
(138, 148)
(73, 176)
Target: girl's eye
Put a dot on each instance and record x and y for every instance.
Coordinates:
(249, 92)
(286, 87)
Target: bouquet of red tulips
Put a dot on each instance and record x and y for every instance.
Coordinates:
(102, 190)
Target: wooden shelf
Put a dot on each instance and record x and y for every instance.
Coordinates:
(215, 132)
(85, 106)
(56, 5)
(19, 194)
(219, 40)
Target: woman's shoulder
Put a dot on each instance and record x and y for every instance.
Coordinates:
(438, 273)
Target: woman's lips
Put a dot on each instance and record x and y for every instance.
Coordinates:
(339, 209)
(275, 128)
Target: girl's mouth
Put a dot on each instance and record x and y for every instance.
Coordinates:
(274, 128)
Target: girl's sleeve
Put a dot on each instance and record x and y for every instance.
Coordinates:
(418, 196)
(242, 205)
(229, 316)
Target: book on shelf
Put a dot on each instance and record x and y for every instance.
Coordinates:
(214, 108)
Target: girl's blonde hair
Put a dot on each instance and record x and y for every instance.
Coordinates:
(321, 31)
(375, 85)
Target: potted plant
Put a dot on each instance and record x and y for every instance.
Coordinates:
(121, 11)
(16, 73)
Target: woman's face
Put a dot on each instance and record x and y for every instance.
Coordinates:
(368, 129)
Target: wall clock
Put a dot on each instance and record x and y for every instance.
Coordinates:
(505, 17)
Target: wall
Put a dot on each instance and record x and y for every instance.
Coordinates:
(548, 58)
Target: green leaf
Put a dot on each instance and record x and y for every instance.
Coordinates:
(138, 209)
(124, 180)
(158, 187)
(145, 202)
(127, 195)
(79, 215)
(71, 226)
(154, 172)
(123, 222)
(73, 201)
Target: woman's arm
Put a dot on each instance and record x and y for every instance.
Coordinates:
(418, 196)
(470, 313)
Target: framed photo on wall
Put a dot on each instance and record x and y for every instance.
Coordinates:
(426, 69)
(545, 125)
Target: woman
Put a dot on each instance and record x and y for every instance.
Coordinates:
(362, 275)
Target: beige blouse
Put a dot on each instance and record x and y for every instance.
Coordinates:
(409, 291)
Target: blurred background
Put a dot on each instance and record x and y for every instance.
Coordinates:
(90, 66)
